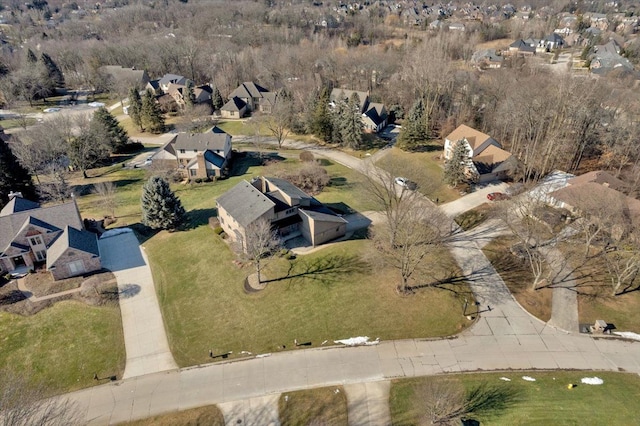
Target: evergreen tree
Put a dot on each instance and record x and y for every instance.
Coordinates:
(152, 118)
(322, 123)
(106, 125)
(13, 177)
(161, 209)
(352, 123)
(216, 99)
(135, 107)
(189, 96)
(414, 129)
(53, 71)
(455, 168)
(338, 121)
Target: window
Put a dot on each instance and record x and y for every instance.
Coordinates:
(35, 240)
(193, 172)
(195, 150)
(182, 151)
(76, 267)
(41, 255)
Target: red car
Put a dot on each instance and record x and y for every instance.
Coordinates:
(497, 196)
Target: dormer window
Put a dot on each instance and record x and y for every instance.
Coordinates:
(182, 151)
(35, 240)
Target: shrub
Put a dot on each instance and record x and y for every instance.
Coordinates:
(218, 230)
(198, 180)
(306, 156)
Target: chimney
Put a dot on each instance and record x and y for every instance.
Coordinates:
(13, 195)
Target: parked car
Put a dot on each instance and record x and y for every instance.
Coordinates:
(406, 183)
(497, 196)
(53, 109)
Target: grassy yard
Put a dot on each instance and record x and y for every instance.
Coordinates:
(474, 217)
(209, 415)
(323, 406)
(518, 277)
(547, 401)
(62, 347)
(422, 168)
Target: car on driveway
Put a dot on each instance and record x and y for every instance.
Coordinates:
(406, 183)
(497, 196)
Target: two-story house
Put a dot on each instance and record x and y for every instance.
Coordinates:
(289, 209)
(197, 155)
(246, 98)
(374, 115)
(487, 160)
(53, 236)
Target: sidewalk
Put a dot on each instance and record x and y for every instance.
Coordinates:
(564, 303)
(145, 338)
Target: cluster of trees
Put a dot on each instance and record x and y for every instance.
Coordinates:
(340, 124)
(145, 111)
(37, 77)
(65, 143)
(13, 176)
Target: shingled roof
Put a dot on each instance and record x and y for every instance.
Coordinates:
(214, 139)
(245, 203)
(18, 204)
(72, 238)
(474, 137)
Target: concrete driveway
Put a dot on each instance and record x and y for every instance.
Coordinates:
(145, 338)
(472, 200)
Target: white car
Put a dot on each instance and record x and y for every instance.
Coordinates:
(95, 104)
(405, 183)
(52, 109)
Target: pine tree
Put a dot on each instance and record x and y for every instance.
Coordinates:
(13, 177)
(189, 96)
(414, 130)
(53, 71)
(455, 168)
(338, 121)
(104, 123)
(135, 107)
(352, 124)
(322, 123)
(152, 118)
(161, 209)
(216, 99)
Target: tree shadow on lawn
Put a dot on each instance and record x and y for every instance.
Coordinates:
(142, 232)
(198, 217)
(326, 270)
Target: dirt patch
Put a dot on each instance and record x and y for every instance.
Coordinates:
(96, 289)
(536, 302)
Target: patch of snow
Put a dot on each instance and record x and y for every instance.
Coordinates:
(263, 355)
(506, 379)
(592, 380)
(114, 232)
(528, 378)
(627, 335)
(355, 341)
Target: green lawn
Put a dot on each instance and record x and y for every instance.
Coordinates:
(422, 168)
(547, 401)
(62, 347)
(322, 406)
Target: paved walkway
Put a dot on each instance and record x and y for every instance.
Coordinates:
(564, 303)
(144, 334)
(259, 411)
(27, 293)
(368, 403)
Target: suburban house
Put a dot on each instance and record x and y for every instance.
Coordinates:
(53, 236)
(522, 47)
(202, 94)
(487, 58)
(290, 210)
(128, 77)
(488, 161)
(606, 58)
(246, 98)
(374, 115)
(551, 42)
(197, 155)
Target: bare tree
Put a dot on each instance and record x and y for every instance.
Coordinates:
(418, 234)
(260, 240)
(23, 404)
(106, 192)
(517, 214)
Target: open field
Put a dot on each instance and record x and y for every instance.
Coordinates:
(323, 406)
(547, 401)
(63, 346)
(422, 168)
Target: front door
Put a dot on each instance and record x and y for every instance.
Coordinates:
(76, 267)
(18, 261)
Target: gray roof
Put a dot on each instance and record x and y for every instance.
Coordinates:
(72, 238)
(173, 78)
(56, 217)
(213, 158)
(249, 89)
(322, 216)
(376, 112)
(214, 139)
(345, 95)
(130, 75)
(287, 187)
(234, 104)
(245, 203)
(18, 204)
